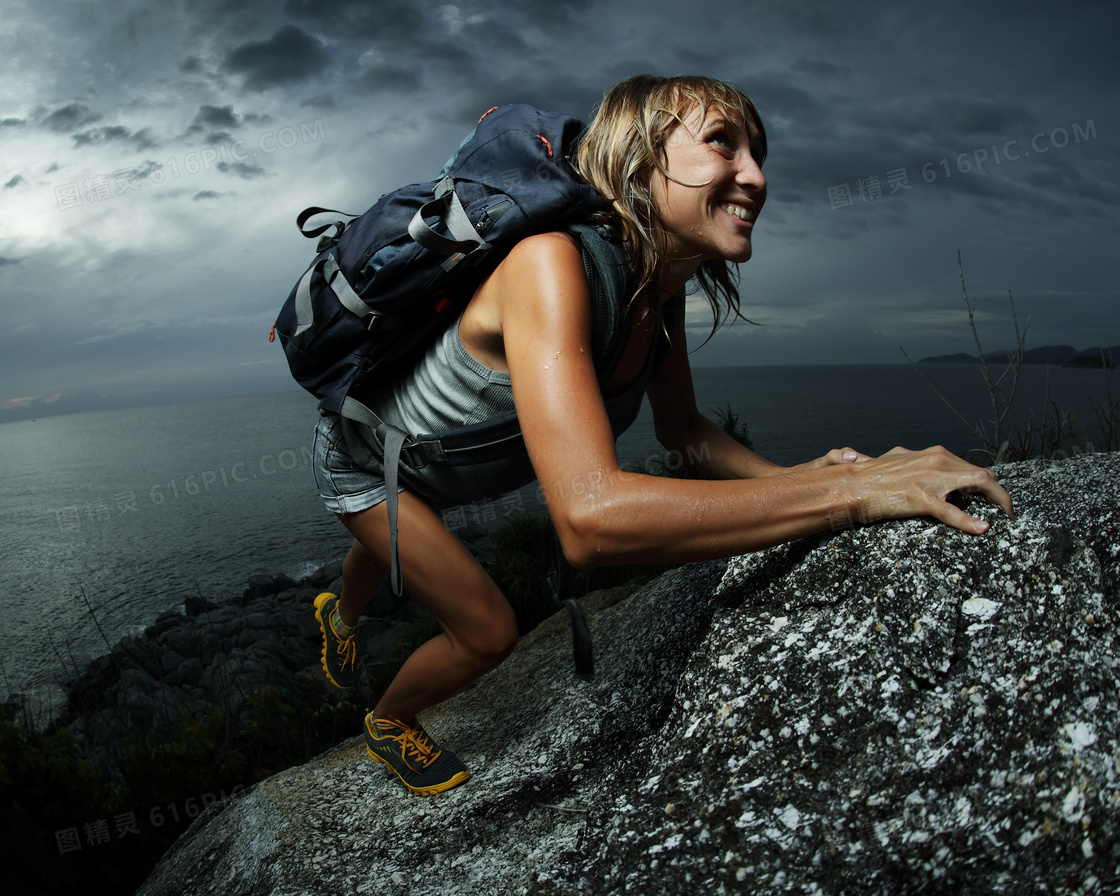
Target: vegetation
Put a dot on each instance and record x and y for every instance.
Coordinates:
(1005, 437)
(68, 826)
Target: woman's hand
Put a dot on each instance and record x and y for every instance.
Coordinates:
(835, 456)
(902, 484)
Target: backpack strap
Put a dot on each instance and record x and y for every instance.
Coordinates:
(449, 209)
(560, 590)
(330, 239)
(328, 268)
(392, 441)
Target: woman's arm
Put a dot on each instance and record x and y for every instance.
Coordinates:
(605, 515)
(681, 427)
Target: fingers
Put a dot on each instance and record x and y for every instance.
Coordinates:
(975, 480)
(841, 456)
(903, 483)
(984, 482)
(958, 519)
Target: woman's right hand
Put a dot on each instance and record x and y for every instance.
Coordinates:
(902, 484)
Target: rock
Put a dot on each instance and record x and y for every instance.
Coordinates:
(191, 671)
(164, 621)
(183, 640)
(263, 585)
(327, 573)
(171, 660)
(192, 606)
(218, 659)
(897, 709)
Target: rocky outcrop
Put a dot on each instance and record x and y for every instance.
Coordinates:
(893, 709)
(210, 657)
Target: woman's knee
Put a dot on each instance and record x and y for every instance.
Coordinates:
(490, 640)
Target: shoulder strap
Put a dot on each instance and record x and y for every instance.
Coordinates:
(609, 283)
(560, 590)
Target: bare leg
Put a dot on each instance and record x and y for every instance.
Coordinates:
(479, 627)
(361, 577)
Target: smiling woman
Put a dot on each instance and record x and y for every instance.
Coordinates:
(679, 161)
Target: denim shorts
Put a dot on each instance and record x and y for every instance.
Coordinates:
(344, 485)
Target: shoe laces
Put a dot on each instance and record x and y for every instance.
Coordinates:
(415, 744)
(347, 651)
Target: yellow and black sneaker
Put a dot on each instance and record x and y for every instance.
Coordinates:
(408, 750)
(340, 654)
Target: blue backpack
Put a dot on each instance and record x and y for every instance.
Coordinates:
(386, 283)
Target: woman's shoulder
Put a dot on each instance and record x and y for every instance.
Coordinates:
(557, 244)
(541, 261)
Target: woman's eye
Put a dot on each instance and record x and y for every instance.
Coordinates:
(720, 138)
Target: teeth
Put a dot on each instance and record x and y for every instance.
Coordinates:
(739, 212)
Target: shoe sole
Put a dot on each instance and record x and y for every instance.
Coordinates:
(320, 601)
(455, 780)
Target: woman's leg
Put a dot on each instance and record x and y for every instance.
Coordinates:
(479, 627)
(361, 577)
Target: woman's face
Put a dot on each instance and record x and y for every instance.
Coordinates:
(716, 192)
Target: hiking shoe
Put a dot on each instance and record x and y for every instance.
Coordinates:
(340, 656)
(406, 748)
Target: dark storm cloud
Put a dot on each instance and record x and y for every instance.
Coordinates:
(15, 182)
(554, 16)
(69, 118)
(569, 94)
(394, 24)
(495, 37)
(977, 117)
(11, 123)
(288, 56)
(215, 117)
(142, 139)
(320, 101)
(244, 170)
(5, 261)
(820, 68)
(387, 78)
(775, 93)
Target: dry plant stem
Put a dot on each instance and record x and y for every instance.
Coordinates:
(1002, 400)
(1108, 411)
(95, 622)
(979, 434)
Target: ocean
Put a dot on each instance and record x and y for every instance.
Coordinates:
(134, 510)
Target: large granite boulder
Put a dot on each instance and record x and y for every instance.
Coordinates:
(893, 709)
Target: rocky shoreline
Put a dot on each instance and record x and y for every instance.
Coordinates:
(211, 656)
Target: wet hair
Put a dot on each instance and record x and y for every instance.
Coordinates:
(625, 143)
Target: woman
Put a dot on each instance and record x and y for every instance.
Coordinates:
(679, 159)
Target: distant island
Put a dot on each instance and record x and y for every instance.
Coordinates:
(1055, 355)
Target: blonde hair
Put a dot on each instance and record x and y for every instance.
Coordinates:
(625, 143)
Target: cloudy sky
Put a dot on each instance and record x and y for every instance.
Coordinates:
(153, 157)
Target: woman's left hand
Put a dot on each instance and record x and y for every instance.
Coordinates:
(835, 456)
